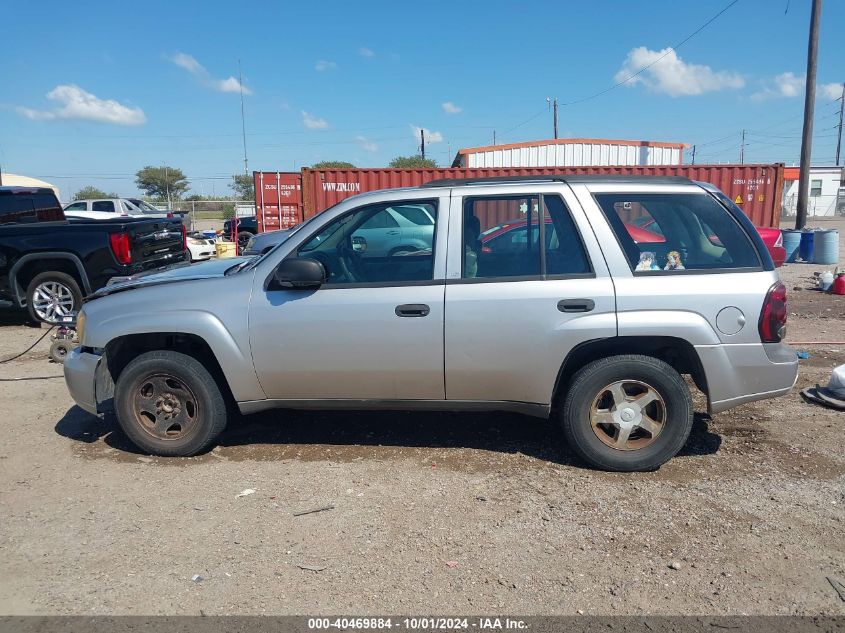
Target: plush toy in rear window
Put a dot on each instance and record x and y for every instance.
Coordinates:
(647, 261)
(673, 261)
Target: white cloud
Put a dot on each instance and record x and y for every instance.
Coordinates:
(430, 137)
(366, 52)
(76, 103)
(313, 122)
(672, 75)
(366, 144)
(323, 66)
(784, 85)
(451, 108)
(189, 63)
(830, 91)
(787, 85)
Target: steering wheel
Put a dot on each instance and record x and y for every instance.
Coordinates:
(350, 260)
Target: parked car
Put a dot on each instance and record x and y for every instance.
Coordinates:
(200, 247)
(588, 328)
(264, 242)
(405, 229)
(112, 208)
(48, 264)
(247, 227)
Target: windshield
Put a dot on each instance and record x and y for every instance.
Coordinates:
(259, 258)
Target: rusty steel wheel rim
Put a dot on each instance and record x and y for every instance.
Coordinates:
(165, 407)
(628, 415)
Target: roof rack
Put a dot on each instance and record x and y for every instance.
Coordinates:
(608, 178)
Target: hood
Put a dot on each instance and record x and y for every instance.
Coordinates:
(210, 269)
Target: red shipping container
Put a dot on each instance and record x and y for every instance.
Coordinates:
(757, 189)
(278, 199)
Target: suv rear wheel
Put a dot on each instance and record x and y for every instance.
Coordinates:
(52, 295)
(627, 413)
(168, 404)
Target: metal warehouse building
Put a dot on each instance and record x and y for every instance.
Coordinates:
(571, 152)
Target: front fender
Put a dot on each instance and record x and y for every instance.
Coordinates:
(109, 319)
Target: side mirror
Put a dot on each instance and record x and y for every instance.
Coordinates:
(300, 273)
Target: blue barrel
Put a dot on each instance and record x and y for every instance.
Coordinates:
(791, 240)
(826, 249)
(805, 249)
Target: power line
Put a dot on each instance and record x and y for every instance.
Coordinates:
(669, 51)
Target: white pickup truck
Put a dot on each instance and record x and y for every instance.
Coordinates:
(111, 208)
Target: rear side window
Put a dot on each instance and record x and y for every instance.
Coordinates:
(675, 232)
(30, 207)
(103, 205)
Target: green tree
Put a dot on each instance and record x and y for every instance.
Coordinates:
(157, 182)
(412, 162)
(92, 193)
(332, 164)
(244, 186)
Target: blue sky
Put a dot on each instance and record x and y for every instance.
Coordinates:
(152, 83)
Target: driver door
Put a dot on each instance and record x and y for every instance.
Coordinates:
(373, 331)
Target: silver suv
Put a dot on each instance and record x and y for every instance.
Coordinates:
(581, 299)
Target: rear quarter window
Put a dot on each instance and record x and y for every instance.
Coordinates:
(670, 233)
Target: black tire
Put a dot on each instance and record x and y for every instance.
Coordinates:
(587, 386)
(143, 399)
(57, 280)
(59, 350)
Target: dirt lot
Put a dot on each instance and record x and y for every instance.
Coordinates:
(435, 513)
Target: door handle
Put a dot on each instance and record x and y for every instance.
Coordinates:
(576, 305)
(412, 310)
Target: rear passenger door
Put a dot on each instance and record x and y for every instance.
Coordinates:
(525, 284)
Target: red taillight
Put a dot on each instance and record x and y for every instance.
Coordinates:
(169, 214)
(120, 247)
(772, 324)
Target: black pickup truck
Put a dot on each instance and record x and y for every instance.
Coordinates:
(48, 264)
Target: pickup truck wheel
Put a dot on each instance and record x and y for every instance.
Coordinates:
(168, 404)
(52, 295)
(627, 413)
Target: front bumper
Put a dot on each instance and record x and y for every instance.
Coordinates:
(737, 374)
(80, 376)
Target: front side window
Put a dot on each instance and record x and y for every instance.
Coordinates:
(695, 232)
(502, 238)
(370, 245)
(77, 206)
(103, 205)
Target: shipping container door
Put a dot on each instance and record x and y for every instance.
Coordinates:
(374, 330)
(525, 285)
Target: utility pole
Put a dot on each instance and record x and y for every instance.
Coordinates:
(742, 149)
(243, 123)
(553, 106)
(422, 143)
(693, 154)
(167, 186)
(494, 137)
(838, 136)
(809, 105)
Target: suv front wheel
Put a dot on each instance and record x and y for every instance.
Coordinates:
(627, 413)
(168, 404)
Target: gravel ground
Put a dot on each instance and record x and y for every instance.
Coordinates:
(432, 513)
